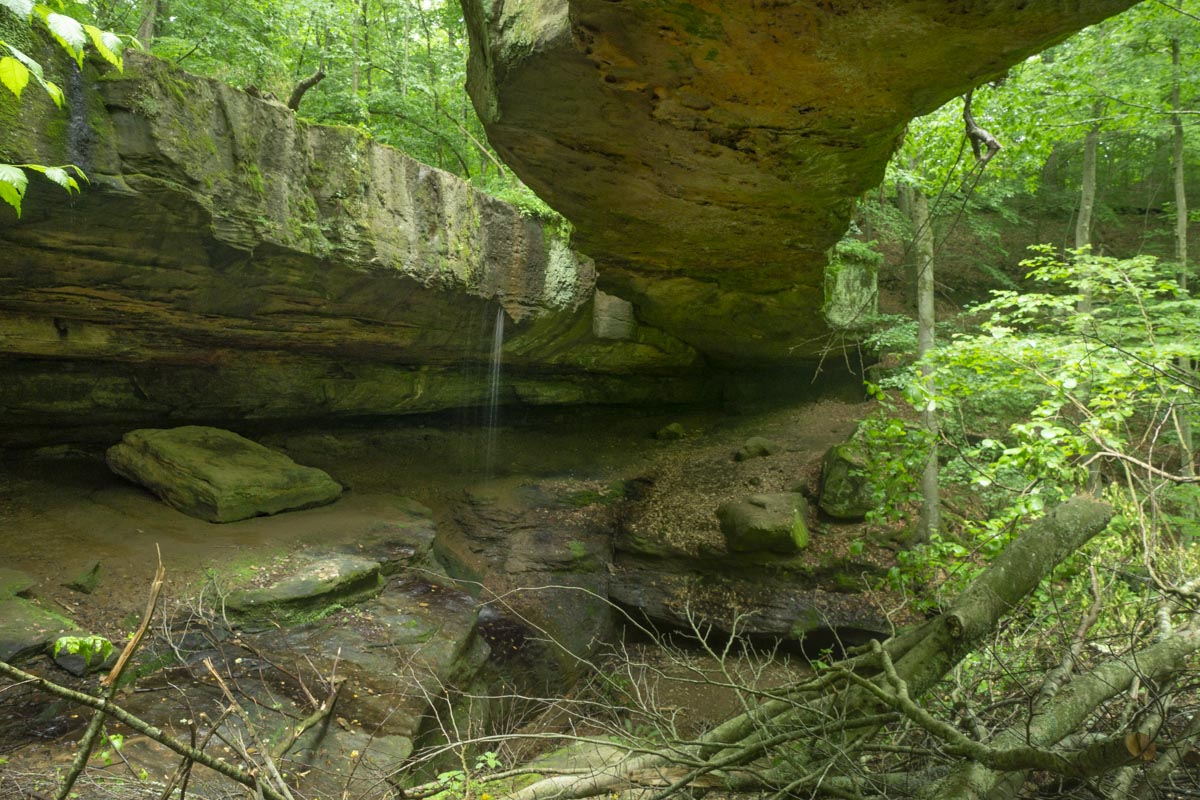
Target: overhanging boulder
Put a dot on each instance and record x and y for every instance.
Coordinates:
(709, 153)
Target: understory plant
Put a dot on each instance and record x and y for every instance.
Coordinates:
(1084, 384)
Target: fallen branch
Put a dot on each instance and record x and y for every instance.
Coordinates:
(141, 726)
(109, 687)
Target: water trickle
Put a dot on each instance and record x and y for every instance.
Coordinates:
(79, 134)
(492, 422)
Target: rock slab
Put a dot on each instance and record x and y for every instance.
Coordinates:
(316, 586)
(217, 475)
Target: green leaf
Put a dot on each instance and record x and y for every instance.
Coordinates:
(13, 181)
(57, 174)
(33, 65)
(22, 8)
(108, 45)
(67, 31)
(13, 74)
(56, 94)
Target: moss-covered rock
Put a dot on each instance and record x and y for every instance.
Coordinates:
(311, 591)
(771, 522)
(218, 475)
(756, 447)
(846, 492)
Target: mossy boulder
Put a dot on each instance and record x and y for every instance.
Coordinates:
(770, 522)
(218, 475)
(27, 629)
(846, 492)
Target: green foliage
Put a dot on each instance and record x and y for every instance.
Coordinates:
(464, 784)
(1042, 399)
(95, 649)
(16, 69)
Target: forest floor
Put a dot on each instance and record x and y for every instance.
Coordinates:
(61, 511)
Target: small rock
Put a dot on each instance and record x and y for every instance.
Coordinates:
(612, 317)
(756, 447)
(87, 581)
(671, 432)
(771, 522)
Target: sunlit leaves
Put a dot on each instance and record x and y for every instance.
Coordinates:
(14, 75)
(13, 183)
(67, 31)
(22, 8)
(107, 44)
(32, 70)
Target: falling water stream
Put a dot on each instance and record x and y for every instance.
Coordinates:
(491, 424)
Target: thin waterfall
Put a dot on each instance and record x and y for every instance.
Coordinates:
(79, 133)
(493, 405)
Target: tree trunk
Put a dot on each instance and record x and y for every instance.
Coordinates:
(1182, 410)
(1087, 197)
(148, 27)
(926, 319)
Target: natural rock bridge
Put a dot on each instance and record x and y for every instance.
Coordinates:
(229, 261)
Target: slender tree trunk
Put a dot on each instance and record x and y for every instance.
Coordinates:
(926, 318)
(1182, 415)
(1087, 196)
(149, 24)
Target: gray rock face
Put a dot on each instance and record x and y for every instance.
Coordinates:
(217, 475)
(544, 548)
(771, 522)
(229, 260)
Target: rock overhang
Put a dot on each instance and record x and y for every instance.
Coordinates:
(709, 153)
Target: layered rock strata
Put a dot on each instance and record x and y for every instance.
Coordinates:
(227, 260)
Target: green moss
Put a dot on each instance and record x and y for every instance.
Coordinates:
(254, 177)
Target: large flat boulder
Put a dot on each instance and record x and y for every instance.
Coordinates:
(217, 475)
(27, 629)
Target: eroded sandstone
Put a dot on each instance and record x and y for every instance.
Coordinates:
(709, 153)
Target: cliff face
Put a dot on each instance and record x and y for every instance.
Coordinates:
(709, 152)
(229, 261)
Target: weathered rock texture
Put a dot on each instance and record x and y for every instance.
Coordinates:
(221, 477)
(709, 153)
(230, 261)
